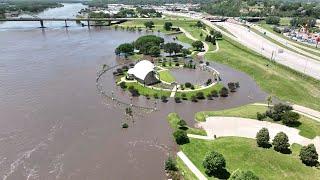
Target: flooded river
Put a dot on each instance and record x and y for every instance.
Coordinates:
(54, 122)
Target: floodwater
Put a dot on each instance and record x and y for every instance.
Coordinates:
(54, 122)
(194, 76)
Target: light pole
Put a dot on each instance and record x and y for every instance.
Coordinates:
(112, 95)
(131, 101)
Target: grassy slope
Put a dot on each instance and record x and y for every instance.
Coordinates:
(184, 170)
(166, 76)
(244, 154)
(309, 127)
(205, 91)
(145, 90)
(275, 79)
(174, 118)
(281, 45)
(269, 28)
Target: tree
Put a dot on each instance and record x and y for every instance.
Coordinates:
(185, 52)
(125, 48)
(123, 85)
(200, 95)
(167, 26)
(214, 93)
(183, 96)
(201, 34)
(263, 138)
(149, 24)
(164, 98)
(144, 43)
(170, 165)
(182, 123)
(181, 137)
(272, 20)
(154, 51)
(217, 35)
(198, 45)
(309, 155)
(281, 142)
(156, 96)
(243, 175)
(177, 99)
(224, 92)
(290, 118)
(269, 100)
(194, 98)
(214, 162)
(187, 84)
(172, 48)
(232, 86)
(199, 24)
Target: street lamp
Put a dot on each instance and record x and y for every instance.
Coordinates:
(131, 101)
(112, 95)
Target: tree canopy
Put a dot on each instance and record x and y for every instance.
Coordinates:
(144, 43)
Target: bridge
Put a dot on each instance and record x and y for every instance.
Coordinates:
(88, 20)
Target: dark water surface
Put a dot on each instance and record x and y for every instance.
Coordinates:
(54, 122)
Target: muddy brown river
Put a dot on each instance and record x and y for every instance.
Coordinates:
(54, 122)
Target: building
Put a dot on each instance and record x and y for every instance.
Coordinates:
(144, 73)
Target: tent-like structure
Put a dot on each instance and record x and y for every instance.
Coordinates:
(144, 73)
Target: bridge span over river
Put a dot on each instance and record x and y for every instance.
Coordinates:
(88, 20)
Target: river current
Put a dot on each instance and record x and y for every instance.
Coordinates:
(55, 124)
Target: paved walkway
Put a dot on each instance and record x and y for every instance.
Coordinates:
(248, 128)
(173, 92)
(191, 166)
(206, 47)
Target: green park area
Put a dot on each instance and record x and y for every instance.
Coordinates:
(174, 119)
(166, 76)
(146, 91)
(309, 128)
(243, 154)
(275, 79)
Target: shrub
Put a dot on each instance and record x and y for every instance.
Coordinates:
(192, 87)
(156, 96)
(276, 29)
(243, 175)
(182, 123)
(164, 98)
(170, 165)
(272, 20)
(214, 162)
(194, 98)
(177, 64)
(263, 138)
(124, 125)
(163, 64)
(214, 93)
(129, 111)
(184, 96)
(237, 84)
(261, 116)
(290, 118)
(181, 137)
(281, 142)
(123, 85)
(232, 86)
(309, 155)
(125, 68)
(209, 81)
(147, 96)
(224, 92)
(188, 85)
(209, 96)
(200, 95)
(177, 99)
(135, 92)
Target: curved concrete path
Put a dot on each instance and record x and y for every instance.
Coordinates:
(205, 45)
(191, 166)
(248, 128)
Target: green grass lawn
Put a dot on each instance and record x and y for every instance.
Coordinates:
(276, 79)
(135, 57)
(145, 90)
(224, 29)
(309, 128)
(174, 118)
(184, 170)
(205, 91)
(285, 21)
(244, 154)
(166, 76)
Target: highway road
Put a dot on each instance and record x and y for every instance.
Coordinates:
(268, 49)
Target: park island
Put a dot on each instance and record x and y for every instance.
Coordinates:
(160, 90)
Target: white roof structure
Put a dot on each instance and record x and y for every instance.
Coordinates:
(141, 69)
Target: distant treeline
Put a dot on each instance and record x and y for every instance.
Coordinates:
(102, 3)
(29, 6)
(257, 8)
